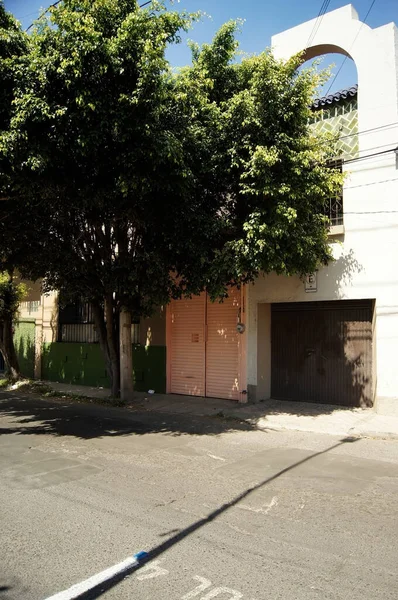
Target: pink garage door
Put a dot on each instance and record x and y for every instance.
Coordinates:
(205, 348)
(188, 346)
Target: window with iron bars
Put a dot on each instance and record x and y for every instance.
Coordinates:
(31, 306)
(76, 324)
(334, 209)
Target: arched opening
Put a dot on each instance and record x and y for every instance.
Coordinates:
(335, 103)
(343, 70)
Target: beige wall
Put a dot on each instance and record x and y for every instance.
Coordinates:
(263, 352)
(33, 290)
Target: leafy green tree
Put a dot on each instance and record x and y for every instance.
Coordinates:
(148, 183)
(272, 170)
(13, 45)
(11, 294)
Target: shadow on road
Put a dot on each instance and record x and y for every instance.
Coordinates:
(33, 416)
(181, 535)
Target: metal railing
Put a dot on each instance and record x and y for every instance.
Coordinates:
(334, 210)
(30, 306)
(78, 332)
(135, 333)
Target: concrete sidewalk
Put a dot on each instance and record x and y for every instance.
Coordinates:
(272, 414)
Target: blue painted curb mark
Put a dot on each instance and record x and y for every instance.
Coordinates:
(141, 555)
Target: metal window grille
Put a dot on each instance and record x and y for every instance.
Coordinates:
(76, 323)
(31, 306)
(334, 208)
(78, 332)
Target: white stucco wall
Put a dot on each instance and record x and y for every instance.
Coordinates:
(366, 259)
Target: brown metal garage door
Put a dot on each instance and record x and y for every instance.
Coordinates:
(322, 352)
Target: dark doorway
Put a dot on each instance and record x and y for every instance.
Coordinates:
(322, 352)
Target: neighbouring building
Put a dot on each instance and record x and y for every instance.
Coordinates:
(60, 343)
(330, 339)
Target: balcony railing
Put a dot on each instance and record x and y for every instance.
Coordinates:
(334, 210)
(30, 306)
(78, 332)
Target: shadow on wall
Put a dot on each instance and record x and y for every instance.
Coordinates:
(322, 353)
(83, 364)
(74, 363)
(24, 340)
(54, 319)
(341, 273)
(31, 416)
(357, 372)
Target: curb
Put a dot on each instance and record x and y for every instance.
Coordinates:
(365, 434)
(377, 435)
(253, 422)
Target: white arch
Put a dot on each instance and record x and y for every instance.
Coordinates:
(374, 51)
(336, 32)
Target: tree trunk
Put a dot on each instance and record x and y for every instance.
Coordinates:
(99, 321)
(126, 356)
(113, 346)
(107, 341)
(8, 349)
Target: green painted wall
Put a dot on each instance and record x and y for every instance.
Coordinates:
(149, 366)
(24, 341)
(83, 364)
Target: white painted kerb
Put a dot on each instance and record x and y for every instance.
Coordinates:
(84, 586)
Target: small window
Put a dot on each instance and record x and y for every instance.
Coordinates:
(76, 323)
(31, 306)
(334, 206)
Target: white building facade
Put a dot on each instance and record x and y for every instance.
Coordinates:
(334, 339)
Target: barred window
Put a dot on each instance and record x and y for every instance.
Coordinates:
(31, 306)
(334, 206)
(76, 323)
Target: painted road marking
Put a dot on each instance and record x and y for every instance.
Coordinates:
(205, 583)
(84, 586)
(156, 571)
(234, 595)
(149, 571)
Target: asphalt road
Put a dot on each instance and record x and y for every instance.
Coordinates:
(227, 512)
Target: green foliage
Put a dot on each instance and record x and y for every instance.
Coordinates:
(272, 171)
(135, 183)
(11, 294)
(13, 44)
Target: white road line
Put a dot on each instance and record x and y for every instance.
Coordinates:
(84, 586)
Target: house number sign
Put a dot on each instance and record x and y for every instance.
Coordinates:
(311, 283)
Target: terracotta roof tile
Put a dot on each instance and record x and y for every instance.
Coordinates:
(336, 97)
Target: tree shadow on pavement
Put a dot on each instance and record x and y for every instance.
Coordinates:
(34, 416)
